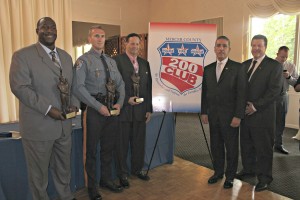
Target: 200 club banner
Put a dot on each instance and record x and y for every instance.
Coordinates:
(177, 53)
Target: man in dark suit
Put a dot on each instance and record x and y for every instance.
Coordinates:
(46, 134)
(258, 128)
(134, 114)
(223, 106)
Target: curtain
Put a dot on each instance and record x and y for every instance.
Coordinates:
(218, 21)
(267, 8)
(18, 20)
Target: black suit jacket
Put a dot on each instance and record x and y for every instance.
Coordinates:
(126, 69)
(263, 89)
(224, 99)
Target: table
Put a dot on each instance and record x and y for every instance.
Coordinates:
(13, 172)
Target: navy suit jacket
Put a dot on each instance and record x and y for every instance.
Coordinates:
(126, 69)
(263, 89)
(224, 99)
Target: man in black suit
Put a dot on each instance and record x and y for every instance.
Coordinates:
(258, 128)
(134, 114)
(223, 106)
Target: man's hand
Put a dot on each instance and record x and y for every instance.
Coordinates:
(249, 108)
(55, 114)
(204, 119)
(286, 74)
(117, 107)
(148, 117)
(235, 122)
(104, 111)
(132, 102)
(73, 109)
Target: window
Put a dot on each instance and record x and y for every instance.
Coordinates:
(281, 30)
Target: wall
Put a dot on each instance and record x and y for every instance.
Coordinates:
(131, 15)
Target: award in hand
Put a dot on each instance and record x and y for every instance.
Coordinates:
(136, 87)
(110, 97)
(68, 110)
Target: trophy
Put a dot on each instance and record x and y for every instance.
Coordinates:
(136, 87)
(68, 110)
(110, 97)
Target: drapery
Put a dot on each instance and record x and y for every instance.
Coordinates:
(267, 8)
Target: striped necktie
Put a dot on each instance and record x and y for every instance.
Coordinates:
(54, 59)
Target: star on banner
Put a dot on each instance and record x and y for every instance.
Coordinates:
(182, 50)
(197, 51)
(168, 50)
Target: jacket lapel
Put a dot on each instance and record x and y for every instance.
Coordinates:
(225, 71)
(259, 68)
(46, 59)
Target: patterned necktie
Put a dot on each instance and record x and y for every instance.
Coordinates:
(135, 65)
(251, 69)
(54, 59)
(218, 70)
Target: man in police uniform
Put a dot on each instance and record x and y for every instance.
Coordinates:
(89, 85)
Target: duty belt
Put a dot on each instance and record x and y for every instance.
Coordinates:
(101, 98)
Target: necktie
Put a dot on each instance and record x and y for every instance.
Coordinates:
(251, 69)
(135, 65)
(105, 67)
(218, 71)
(54, 59)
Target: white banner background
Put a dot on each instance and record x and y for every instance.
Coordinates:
(177, 53)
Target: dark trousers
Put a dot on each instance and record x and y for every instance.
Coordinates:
(281, 111)
(222, 137)
(257, 151)
(131, 134)
(103, 129)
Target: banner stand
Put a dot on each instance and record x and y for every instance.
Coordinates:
(206, 140)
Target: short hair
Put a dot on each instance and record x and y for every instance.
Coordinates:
(260, 37)
(95, 27)
(283, 48)
(44, 18)
(132, 35)
(223, 37)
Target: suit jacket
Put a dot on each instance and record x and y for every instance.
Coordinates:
(126, 69)
(263, 89)
(33, 80)
(224, 99)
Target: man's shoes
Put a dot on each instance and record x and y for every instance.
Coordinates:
(141, 175)
(213, 179)
(228, 184)
(281, 149)
(261, 186)
(124, 182)
(243, 174)
(94, 194)
(111, 186)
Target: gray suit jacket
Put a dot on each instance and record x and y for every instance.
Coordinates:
(126, 69)
(224, 99)
(263, 89)
(33, 79)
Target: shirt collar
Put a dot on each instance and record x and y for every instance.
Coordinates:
(223, 61)
(48, 50)
(131, 57)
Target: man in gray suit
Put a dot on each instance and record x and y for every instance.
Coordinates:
(258, 128)
(46, 134)
(223, 106)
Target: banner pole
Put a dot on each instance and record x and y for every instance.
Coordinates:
(206, 140)
(156, 141)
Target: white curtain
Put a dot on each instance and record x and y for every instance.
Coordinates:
(267, 8)
(18, 20)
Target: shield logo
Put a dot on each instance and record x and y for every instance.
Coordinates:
(182, 65)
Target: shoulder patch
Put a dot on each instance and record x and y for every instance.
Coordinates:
(78, 64)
